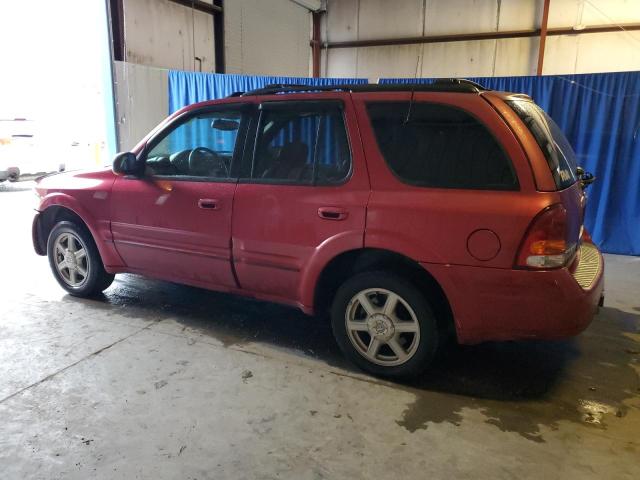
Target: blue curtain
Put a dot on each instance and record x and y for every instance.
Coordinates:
(186, 88)
(600, 114)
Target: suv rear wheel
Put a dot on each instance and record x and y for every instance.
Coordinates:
(384, 324)
(75, 261)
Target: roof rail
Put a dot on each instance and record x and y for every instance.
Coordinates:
(459, 81)
(293, 88)
(439, 85)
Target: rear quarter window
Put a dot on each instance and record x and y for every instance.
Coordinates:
(440, 146)
(557, 150)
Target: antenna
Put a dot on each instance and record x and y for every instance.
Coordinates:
(413, 88)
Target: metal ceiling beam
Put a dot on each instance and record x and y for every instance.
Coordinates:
(316, 44)
(218, 37)
(463, 37)
(116, 22)
(200, 6)
(543, 36)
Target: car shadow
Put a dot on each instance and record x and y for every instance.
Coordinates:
(495, 370)
(518, 386)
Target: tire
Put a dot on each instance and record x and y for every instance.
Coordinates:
(407, 334)
(14, 174)
(83, 274)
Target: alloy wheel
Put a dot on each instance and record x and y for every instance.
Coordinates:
(71, 259)
(382, 327)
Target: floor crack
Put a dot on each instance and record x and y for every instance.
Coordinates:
(86, 357)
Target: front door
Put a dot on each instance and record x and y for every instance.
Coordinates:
(302, 195)
(175, 221)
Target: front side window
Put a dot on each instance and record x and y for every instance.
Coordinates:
(200, 147)
(301, 143)
(439, 146)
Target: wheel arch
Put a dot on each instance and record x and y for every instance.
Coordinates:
(50, 217)
(54, 214)
(352, 262)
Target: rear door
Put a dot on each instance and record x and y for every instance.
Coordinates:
(175, 221)
(451, 184)
(302, 196)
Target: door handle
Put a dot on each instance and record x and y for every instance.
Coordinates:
(208, 203)
(332, 213)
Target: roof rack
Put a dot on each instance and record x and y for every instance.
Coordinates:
(460, 85)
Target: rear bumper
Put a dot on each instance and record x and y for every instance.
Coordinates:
(496, 304)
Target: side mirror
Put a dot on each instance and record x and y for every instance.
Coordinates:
(126, 163)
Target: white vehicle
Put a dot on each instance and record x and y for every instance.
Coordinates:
(22, 152)
(9, 173)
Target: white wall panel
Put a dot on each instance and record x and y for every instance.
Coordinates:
(384, 19)
(340, 23)
(142, 101)
(460, 16)
(563, 13)
(595, 53)
(342, 62)
(458, 59)
(598, 52)
(267, 37)
(233, 36)
(376, 19)
(393, 61)
(519, 14)
(560, 54)
(163, 34)
(516, 56)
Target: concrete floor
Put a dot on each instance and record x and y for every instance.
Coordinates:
(156, 380)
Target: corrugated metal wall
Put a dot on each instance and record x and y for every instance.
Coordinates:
(267, 37)
(142, 101)
(378, 19)
(163, 34)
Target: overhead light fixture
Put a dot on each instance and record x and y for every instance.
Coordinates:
(580, 26)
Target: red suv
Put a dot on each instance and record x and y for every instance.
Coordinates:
(409, 213)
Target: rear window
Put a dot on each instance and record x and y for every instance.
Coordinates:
(439, 146)
(554, 145)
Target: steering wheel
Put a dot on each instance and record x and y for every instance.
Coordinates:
(193, 162)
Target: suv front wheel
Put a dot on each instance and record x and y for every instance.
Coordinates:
(75, 260)
(384, 324)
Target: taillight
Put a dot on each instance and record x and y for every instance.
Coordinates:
(546, 243)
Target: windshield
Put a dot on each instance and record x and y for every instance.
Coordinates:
(555, 146)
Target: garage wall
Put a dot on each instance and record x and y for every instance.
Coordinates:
(380, 19)
(163, 34)
(267, 37)
(264, 37)
(141, 101)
